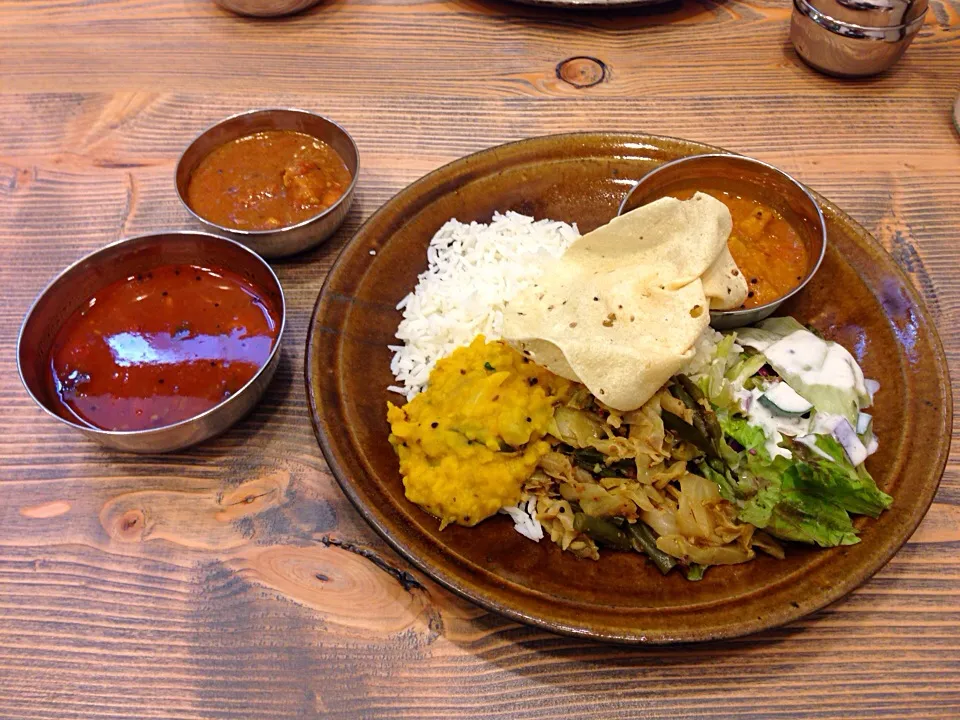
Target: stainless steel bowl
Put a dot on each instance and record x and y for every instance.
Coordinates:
(266, 8)
(75, 285)
(758, 179)
(292, 238)
(854, 38)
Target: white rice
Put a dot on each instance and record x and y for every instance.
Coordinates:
(524, 517)
(472, 270)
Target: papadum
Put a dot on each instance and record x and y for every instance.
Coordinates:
(621, 310)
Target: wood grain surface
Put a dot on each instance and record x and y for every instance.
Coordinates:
(234, 580)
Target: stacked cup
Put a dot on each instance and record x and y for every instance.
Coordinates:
(854, 38)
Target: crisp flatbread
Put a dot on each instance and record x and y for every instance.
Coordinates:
(621, 310)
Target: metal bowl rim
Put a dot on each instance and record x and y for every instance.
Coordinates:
(773, 304)
(164, 428)
(299, 7)
(286, 228)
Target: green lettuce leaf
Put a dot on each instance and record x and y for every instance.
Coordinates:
(712, 380)
(745, 368)
(758, 509)
(793, 499)
(785, 506)
(806, 518)
(749, 436)
(851, 488)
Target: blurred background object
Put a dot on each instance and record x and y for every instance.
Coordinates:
(854, 38)
(266, 8)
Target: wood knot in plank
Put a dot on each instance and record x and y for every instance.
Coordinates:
(204, 519)
(407, 581)
(582, 71)
(253, 496)
(132, 525)
(351, 587)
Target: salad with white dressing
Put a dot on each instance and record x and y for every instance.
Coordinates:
(790, 406)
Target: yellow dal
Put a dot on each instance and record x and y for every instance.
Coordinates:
(469, 441)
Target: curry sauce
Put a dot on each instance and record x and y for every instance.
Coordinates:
(765, 246)
(267, 180)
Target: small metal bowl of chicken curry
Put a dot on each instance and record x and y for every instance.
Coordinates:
(779, 235)
(280, 181)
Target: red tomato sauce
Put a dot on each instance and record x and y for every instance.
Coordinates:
(160, 347)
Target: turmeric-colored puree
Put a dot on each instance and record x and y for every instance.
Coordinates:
(767, 249)
(469, 441)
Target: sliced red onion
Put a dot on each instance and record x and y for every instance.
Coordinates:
(845, 434)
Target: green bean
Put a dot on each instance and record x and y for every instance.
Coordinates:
(704, 429)
(695, 571)
(594, 462)
(696, 434)
(680, 393)
(602, 532)
(643, 541)
(714, 469)
(702, 408)
(713, 426)
(588, 458)
(704, 421)
(619, 469)
(691, 387)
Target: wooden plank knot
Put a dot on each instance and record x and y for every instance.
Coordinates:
(582, 71)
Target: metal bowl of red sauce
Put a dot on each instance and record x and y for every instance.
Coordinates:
(156, 342)
(280, 181)
(779, 235)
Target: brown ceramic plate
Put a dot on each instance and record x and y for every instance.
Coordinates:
(859, 298)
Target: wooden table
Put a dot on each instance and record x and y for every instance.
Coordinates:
(198, 584)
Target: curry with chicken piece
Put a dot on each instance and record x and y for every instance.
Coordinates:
(267, 180)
